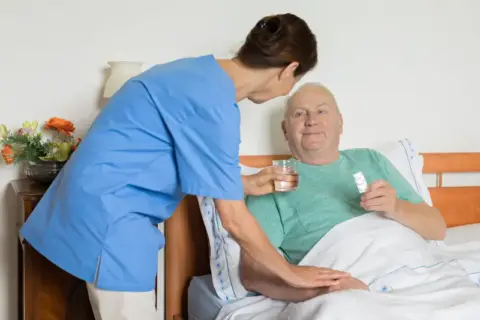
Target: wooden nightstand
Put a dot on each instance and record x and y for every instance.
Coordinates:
(45, 291)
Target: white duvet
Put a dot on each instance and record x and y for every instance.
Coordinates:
(408, 277)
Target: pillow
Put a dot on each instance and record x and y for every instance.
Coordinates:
(409, 162)
(462, 234)
(225, 252)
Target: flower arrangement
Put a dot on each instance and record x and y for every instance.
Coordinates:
(34, 146)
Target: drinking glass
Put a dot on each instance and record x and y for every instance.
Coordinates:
(287, 168)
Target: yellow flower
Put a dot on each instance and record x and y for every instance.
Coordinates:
(29, 128)
(3, 131)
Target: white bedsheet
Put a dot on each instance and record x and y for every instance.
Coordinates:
(409, 278)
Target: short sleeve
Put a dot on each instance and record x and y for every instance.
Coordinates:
(402, 187)
(207, 154)
(265, 210)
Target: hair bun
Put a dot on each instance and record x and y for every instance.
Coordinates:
(271, 24)
(269, 35)
(278, 40)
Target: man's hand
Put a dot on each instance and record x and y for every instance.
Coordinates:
(262, 182)
(423, 219)
(380, 196)
(307, 277)
(350, 283)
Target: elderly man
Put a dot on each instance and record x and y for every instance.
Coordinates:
(327, 194)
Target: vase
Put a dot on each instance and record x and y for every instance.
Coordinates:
(43, 171)
(120, 72)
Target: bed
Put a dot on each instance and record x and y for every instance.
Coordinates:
(187, 248)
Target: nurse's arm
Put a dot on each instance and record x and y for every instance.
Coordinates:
(255, 279)
(246, 231)
(253, 241)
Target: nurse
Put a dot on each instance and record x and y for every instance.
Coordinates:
(172, 130)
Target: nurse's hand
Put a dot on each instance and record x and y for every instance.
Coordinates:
(262, 182)
(350, 283)
(307, 277)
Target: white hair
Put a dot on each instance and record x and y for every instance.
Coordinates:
(318, 85)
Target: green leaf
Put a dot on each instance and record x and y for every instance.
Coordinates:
(27, 147)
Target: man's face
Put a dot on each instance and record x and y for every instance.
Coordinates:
(312, 124)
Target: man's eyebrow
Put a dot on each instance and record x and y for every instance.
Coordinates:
(305, 106)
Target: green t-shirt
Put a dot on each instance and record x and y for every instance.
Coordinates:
(326, 196)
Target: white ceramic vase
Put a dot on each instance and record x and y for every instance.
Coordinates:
(120, 72)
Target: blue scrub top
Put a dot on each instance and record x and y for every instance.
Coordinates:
(172, 130)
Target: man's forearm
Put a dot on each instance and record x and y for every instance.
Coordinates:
(255, 279)
(246, 231)
(422, 218)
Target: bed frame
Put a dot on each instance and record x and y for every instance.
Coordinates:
(187, 248)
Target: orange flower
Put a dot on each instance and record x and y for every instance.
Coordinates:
(7, 154)
(61, 125)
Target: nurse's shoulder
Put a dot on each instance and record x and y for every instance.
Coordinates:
(189, 76)
(191, 88)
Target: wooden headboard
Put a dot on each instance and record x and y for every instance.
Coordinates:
(187, 248)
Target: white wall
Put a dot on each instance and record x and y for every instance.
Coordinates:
(412, 64)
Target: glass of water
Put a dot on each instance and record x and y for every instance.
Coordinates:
(288, 169)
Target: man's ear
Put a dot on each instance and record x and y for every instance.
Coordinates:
(284, 129)
(340, 122)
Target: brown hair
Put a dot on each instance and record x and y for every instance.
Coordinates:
(277, 41)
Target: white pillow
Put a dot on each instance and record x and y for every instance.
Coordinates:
(462, 234)
(225, 252)
(409, 162)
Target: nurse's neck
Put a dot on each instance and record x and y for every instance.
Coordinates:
(245, 79)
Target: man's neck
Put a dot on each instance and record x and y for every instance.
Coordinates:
(320, 158)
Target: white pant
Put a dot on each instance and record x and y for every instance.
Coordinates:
(116, 305)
